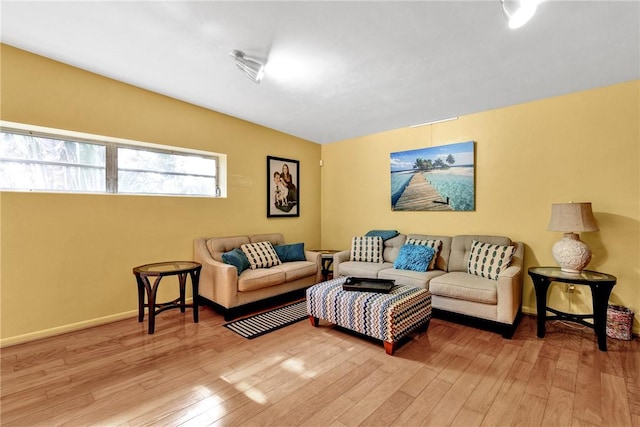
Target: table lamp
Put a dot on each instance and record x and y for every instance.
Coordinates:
(571, 254)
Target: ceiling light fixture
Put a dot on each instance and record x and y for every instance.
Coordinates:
(434, 122)
(252, 68)
(519, 12)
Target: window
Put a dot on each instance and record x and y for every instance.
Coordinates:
(45, 164)
(32, 160)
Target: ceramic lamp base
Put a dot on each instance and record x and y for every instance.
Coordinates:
(571, 253)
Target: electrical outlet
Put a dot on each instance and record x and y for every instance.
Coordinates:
(570, 288)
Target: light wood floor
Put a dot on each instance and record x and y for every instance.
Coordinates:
(204, 374)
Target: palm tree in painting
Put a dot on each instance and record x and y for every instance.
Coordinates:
(423, 165)
(450, 159)
(439, 164)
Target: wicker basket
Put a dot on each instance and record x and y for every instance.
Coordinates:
(619, 322)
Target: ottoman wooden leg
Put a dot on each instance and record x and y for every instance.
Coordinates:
(314, 320)
(424, 327)
(389, 347)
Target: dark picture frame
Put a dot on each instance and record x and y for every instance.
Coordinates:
(283, 187)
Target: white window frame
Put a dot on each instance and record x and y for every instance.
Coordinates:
(111, 145)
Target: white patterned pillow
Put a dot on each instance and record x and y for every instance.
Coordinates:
(487, 260)
(435, 244)
(367, 249)
(261, 254)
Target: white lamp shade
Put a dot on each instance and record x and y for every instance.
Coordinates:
(572, 217)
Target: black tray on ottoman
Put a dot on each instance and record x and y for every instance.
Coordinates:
(365, 284)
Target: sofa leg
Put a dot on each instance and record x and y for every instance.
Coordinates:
(314, 321)
(509, 330)
(508, 333)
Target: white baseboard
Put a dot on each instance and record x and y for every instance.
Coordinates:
(59, 330)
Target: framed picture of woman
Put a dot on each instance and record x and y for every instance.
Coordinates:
(283, 187)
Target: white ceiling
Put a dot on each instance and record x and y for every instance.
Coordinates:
(338, 69)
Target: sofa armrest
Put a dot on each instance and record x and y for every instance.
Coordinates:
(339, 257)
(509, 287)
(316, 258)
(218, 281)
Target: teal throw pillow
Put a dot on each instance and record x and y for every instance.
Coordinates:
(414, 258)
(384, 234)
(237, 258)
(291, 252)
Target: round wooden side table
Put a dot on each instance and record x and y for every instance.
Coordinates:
(327, 260)
(159, 270)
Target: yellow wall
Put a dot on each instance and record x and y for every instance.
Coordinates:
(66, 259)
(578, 147)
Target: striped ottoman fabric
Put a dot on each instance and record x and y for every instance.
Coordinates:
(387, 317)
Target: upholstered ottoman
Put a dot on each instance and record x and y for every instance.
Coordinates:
(387, 317)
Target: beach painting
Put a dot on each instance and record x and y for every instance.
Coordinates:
(434, 179)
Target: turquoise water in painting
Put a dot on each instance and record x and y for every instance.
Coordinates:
(399, 181)
(457, 186)
(455, 183)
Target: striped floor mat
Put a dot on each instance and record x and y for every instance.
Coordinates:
(263, 323)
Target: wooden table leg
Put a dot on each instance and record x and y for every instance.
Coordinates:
(195, 280)
(600, 298)
(541, 286)
(182, 280)
(140, 298)
(151, 299)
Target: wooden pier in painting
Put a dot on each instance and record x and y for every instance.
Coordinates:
(420, 195)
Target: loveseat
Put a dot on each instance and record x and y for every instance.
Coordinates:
(233, 294)
(460, 291)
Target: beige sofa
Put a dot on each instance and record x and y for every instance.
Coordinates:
(456, 294)
(223, 289)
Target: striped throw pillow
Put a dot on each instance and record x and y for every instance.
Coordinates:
(261, 254)
(366, 248)
(487, 260)
(435, 244)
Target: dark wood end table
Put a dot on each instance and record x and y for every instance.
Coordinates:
(327, 260)
(600, 284)
(158, 271)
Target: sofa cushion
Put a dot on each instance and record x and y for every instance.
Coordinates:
(435, 244)
(487, 260)
(366, 249)
(363, 269)
(250, 280)
(219, 245)
(392, 247)
(295, 270)
(237, 258)
(412, 278)
(465, 286)
(261, 254)
(274, 238)
(414, 257)
(290, 252)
